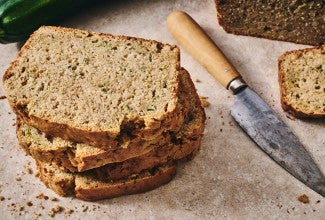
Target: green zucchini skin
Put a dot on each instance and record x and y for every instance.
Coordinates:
(19, 18)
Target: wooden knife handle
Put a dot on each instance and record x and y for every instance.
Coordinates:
(193, 38)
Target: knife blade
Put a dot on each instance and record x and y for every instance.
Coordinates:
(253, 114)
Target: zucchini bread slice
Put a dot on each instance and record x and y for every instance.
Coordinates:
(95, 88)
(295, 21)
(86, 186)
(302, 82)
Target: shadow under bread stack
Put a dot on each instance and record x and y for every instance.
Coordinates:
(102, 115)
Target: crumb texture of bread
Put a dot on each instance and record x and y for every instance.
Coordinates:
(183, 144)
(62, 183)
(302, 82)
(63, 76)
(299, 21)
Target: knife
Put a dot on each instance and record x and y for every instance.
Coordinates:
(254, 115)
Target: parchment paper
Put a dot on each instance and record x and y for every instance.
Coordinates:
(230, 177)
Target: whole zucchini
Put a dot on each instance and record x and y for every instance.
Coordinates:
(19, 18)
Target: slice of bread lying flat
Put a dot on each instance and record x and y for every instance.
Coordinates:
(295, 21)
(302, 82)
(93, 88)
(86, 186)
(81, 157)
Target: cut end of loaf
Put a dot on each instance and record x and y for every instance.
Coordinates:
(294, 21)
(302, 81)
(66, 75)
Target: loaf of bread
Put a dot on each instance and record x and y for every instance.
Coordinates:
(63, 76)
(295, 21)
(302, 82)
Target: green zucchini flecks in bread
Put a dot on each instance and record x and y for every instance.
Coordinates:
(302, 82)
(94, 88)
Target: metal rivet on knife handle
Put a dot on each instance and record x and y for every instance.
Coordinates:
(236, 85)
(188, 33)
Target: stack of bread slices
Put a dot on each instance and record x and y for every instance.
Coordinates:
(102, 115)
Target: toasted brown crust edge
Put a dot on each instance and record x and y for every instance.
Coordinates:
(98, 190)
(286, 106)
(126, 168)
(127, 187)
(103, 139)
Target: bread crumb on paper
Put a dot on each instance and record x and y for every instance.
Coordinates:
(54, 199)
(55, 210)
(29, 170)
(85, 208)
(69, 211)
(303, 198)
(42, 196)
(205, 103)
(290, 117)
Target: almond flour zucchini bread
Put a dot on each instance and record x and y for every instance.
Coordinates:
(102, 115)
(299, 21)
(94, 88)
(302, 82)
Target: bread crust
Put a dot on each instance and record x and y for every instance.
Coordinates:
(285, 103)
(154, 158)
(143, 183)
(143, 128)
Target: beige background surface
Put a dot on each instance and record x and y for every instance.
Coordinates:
(230, 178)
